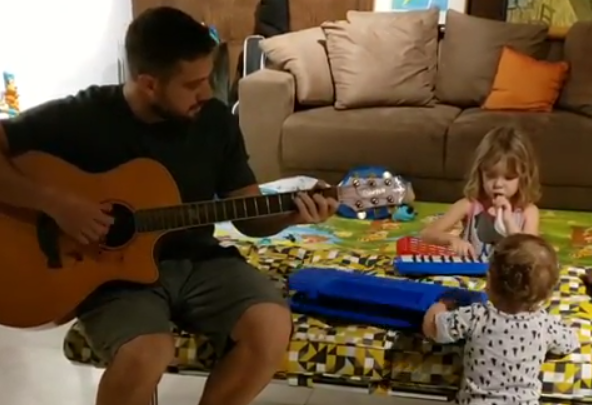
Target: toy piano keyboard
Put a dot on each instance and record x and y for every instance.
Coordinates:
(366, 299)
(410, 245)
(417, 258)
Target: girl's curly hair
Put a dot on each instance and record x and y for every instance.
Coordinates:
(523, 272)
(511, 148)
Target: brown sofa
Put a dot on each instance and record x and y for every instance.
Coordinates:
(431, 145)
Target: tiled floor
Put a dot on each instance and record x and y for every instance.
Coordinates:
(33, 370)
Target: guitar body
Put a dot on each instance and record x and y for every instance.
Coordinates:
(34, 289)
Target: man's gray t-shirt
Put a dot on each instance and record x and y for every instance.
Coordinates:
(503, 353)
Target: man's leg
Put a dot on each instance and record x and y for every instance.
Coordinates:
(130, 328)
(240, 309)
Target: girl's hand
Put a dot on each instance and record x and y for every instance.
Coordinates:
(462, 247)
(501, 202)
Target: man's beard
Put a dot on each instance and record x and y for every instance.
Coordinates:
(162, 111)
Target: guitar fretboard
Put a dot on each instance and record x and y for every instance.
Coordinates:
(211, 212)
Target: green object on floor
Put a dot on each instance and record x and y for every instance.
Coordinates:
(569, 232)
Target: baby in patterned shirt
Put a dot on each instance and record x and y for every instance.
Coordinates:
(507, 338)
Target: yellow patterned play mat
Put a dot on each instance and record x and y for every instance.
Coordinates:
(378, 360)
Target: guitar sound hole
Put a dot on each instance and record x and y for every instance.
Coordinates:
(123, 228)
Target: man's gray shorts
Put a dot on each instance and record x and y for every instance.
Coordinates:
(205, 297)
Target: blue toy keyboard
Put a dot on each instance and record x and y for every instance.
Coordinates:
(440, 265)
(365, 299)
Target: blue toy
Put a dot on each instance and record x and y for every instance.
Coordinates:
(404, 213)
(366, 299)
(441, 265)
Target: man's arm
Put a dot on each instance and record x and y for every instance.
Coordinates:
(260, 227)
(17, 190)
(41, 128)
(236, 179)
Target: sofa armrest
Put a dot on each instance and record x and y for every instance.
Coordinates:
(266, 100)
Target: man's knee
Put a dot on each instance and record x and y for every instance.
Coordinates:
(143, 359)
(266, 328)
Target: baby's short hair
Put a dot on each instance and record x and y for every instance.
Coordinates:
(523, 272)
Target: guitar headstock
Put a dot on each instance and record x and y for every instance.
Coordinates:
(364, 193)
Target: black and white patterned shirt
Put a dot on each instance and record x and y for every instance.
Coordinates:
(503, 353)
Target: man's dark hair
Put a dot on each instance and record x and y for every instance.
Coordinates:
(161, 37)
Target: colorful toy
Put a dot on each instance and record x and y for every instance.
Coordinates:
(10, 99)
(417, 258)
(360, 298)
(411, 245)
(404, 213)
(436, 265)
(375, 172)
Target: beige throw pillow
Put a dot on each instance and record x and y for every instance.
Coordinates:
(577, 91)
(382, 61)
(428, 18)
(303, 54)
(470, 53)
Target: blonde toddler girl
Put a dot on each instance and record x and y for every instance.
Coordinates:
(503, 182)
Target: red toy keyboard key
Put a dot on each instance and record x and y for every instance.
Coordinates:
(410, 245)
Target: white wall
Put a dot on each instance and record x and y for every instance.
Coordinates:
(56, 47)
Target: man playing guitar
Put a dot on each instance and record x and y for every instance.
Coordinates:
(164, 112)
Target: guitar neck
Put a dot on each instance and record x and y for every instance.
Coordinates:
(211, 212)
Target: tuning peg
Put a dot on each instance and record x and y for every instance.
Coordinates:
(387, 175)
(361, 215)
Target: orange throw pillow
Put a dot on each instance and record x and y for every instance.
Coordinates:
(524, 83)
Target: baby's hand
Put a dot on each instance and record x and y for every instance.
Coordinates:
(429, 327)
(450, 303)
(462, 247)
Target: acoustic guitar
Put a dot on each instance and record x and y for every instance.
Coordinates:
(44, 274)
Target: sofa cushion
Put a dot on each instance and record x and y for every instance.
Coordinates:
(577, 92)
(429, 20)
(470, 52)
(526, 84)
(303, 54)
(383, 61)
(562, 141)
(403, 139)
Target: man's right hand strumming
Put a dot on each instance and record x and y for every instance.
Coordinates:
(85, 221)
